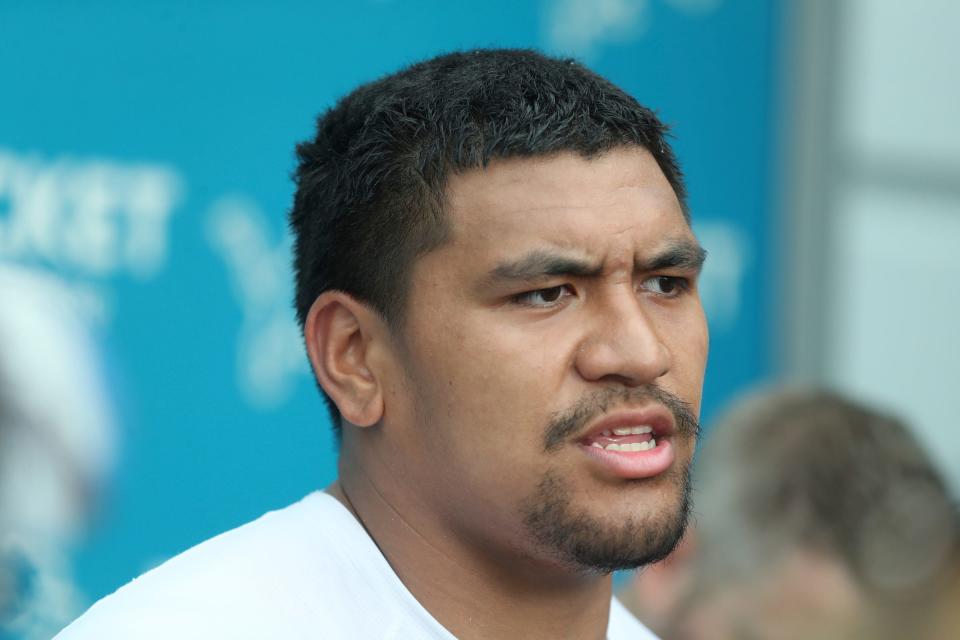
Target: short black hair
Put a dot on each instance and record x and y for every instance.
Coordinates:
(369, 186)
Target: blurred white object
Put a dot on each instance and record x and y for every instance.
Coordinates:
(578, 26)
(57, 441)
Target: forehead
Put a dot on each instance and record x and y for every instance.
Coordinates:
(617, 203)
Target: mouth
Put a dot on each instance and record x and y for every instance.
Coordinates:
(631, 444)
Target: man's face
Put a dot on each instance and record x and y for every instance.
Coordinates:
(560, 323)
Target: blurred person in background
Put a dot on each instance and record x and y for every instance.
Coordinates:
(56, 443)
(816, 517)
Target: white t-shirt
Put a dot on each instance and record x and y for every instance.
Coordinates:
(307, 571)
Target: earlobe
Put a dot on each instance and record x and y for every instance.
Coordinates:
(338, 332)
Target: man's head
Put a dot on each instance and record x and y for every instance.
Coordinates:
(497, 281)
(816, 517)
(371, 184)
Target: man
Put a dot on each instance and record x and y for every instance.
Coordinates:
(497, 284)
(817, 517)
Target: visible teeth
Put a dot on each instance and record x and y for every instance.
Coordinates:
(631, 431)
(605, 432)
(630, 446)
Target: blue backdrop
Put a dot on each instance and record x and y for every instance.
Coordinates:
(145, 154)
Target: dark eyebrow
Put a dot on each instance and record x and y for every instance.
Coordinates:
(681, 254)
(539, 264)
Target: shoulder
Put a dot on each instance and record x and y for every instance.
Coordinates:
(623, 626)
(253, 581)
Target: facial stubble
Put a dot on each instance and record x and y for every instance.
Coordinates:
(584, 542)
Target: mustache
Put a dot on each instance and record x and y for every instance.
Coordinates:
(564, 424)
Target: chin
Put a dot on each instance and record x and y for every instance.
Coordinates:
(584, 540)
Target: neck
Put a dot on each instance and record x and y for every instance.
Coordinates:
(476, 593)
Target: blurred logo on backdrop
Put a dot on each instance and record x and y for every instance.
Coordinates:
(729, 258)
(269, 349)
(86, 220)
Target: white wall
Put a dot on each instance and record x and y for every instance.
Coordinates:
(881, 269)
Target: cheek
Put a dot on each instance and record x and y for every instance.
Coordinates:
(486, 384)
(481, 415)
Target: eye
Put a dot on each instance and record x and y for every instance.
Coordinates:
(666, 286)
(548, 297)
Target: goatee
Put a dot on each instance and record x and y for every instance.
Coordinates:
(582, 541)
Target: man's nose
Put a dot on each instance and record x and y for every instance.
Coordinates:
(623, 345)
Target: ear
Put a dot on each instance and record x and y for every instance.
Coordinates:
(341, 334)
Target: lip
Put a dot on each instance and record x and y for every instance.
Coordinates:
(633, 464)
(656, 416)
